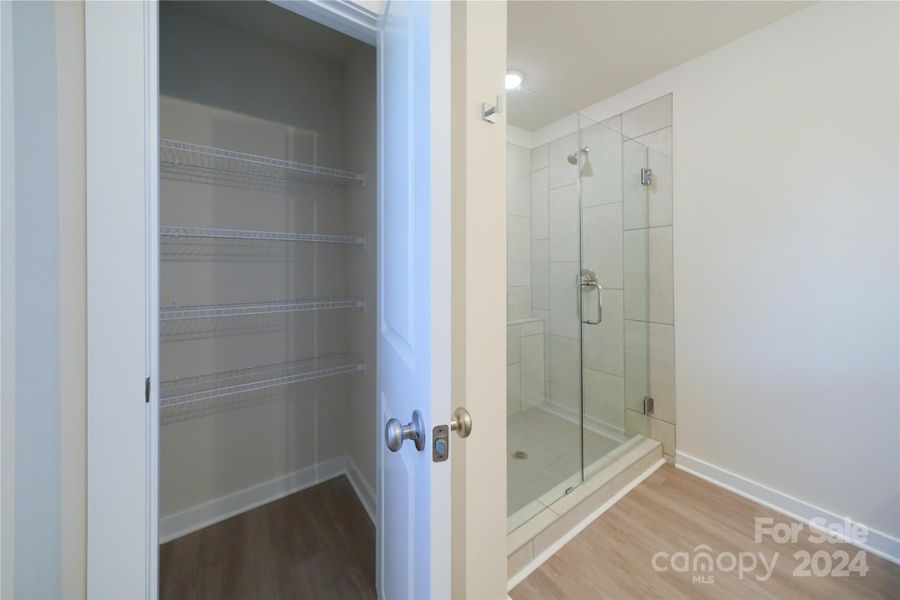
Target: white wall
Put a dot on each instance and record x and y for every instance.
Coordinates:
(786, 257)
(43, 270)
(232, 88)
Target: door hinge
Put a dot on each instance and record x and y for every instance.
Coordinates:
(648, 405)
(646, 176)
(147, 390)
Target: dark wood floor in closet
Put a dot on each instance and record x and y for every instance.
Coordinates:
(317, 543)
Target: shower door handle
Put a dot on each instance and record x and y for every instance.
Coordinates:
(588, 279)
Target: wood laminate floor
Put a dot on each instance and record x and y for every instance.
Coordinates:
(318, 543)
(671, 512)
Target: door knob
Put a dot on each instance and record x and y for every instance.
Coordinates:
(395, 433)
(461, 423)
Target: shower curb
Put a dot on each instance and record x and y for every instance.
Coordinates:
(544, 534)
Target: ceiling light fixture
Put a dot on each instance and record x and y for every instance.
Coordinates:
(513, 79)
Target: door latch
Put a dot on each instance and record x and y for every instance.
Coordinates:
(440, 435)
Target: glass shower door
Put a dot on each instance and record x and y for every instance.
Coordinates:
(613, 290)
(544, 458)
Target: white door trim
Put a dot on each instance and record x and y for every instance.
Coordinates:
(121, 106)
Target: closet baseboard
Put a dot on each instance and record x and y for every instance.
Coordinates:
(361, 487)
(208, 513)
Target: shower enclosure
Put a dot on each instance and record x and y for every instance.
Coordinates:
(577, 299)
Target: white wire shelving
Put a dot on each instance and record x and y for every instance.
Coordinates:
(196, 390)
(248, 234)
(183, 158)
(208, 311)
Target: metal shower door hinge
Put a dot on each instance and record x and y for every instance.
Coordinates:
(147, 390)
(646, 176)
(648, 405)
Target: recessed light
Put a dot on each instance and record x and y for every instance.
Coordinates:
(513, 80)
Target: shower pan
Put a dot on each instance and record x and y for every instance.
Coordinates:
(577, 297)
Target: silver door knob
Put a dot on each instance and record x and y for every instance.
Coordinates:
(462, 422)
(395, 433)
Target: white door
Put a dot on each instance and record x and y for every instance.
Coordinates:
(413, 556)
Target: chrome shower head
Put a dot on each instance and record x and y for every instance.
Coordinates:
(573, 158)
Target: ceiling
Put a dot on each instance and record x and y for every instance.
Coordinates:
(281, 25)
(578, 53)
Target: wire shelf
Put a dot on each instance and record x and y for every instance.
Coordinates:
(182, 157)
(175, 313)
(247, 234)
(192, 390)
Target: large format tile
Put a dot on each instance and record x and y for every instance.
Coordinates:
(659, 141)
(540, 274)
(661, 297)
(634, 193)
(565, 372)
(544, 315)
(518, 302)
(604, 343)
(637, 365)
(662, 370)
(539, 157)
(564, 226)
(562, 172)
(563, 308)
(532, 370)
(637, 274)
(648, 117)
(664, 433)
(604, 398)
(513, 388)
(601, 168)
(518, 180)
(518, 250)
(540, 225)
(659, 195)
(513, 335)
(601, 243)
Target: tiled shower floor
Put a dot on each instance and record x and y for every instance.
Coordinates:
(553, 448)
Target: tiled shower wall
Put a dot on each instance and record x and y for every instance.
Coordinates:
(626, 238)
(649, 286)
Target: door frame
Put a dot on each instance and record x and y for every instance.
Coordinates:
(123, 426)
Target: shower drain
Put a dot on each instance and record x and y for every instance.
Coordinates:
(520, 454)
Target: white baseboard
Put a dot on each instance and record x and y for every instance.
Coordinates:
(538, 560)
(878, 543)
(361, 487)
(203, 515)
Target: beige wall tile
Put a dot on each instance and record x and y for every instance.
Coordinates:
(539, 198)
(518, 180)
(634, 194)
(662, 370)
(563, 309)
(637, 365)
(604, 398)
(604, 344)
(519, 559)
(564, 225)
(539, 157)
(661, 298)
(601, 168)
(664, 433)
(512, 344)
(648, 117)
(518, 251)
(518, 302)
(562, 172)
(565, 372)
(540, 274)
(601, 243)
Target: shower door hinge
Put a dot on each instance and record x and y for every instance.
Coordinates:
(646, 176)
(648, 405)
(147, 390)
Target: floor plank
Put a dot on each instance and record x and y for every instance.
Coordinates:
(672, 512)
(318, 543)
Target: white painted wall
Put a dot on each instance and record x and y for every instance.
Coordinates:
(43, 520)
(786, 256)
(216, 82)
